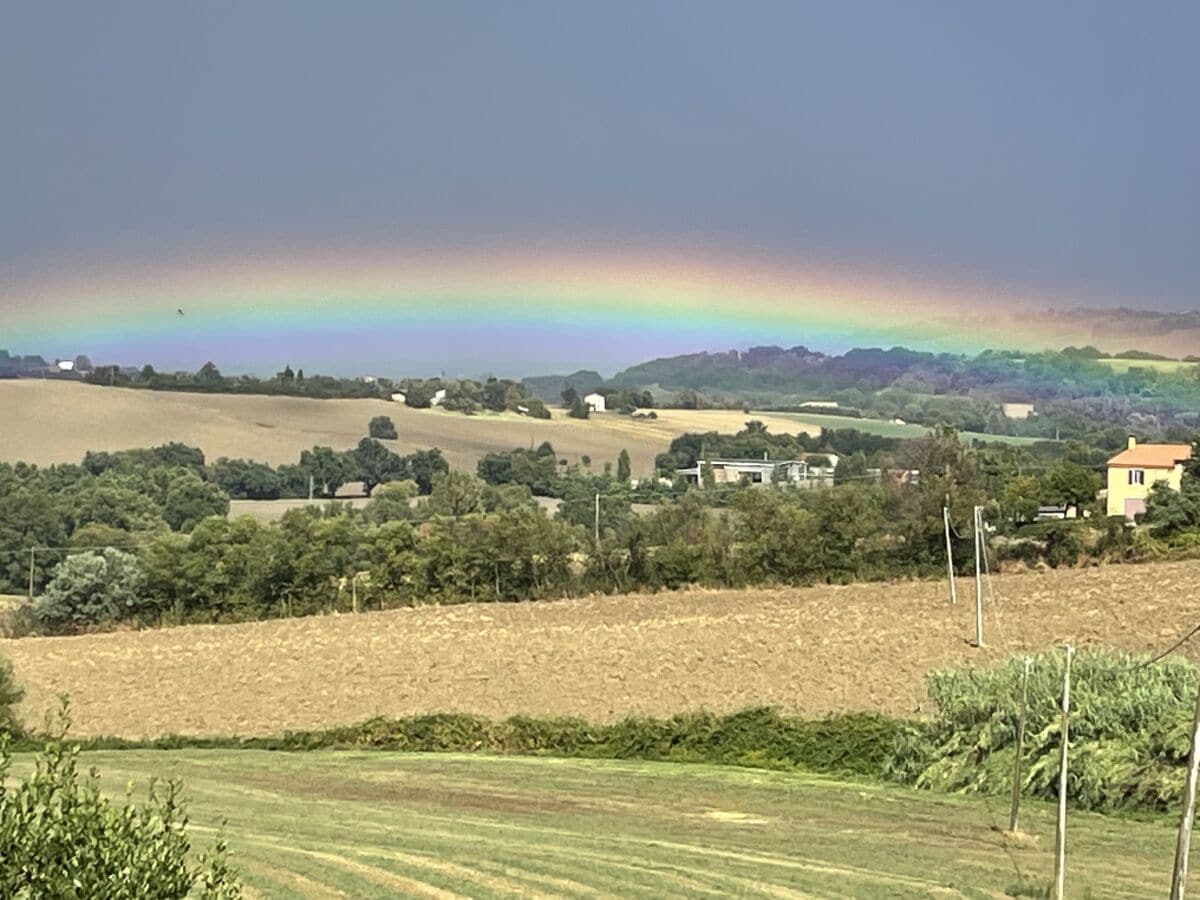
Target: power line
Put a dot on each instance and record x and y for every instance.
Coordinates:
(1175, 646)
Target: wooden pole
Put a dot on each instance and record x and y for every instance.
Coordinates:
(978, 580)
(949, 552)
(596, 528)
(1060, 831)
(32, 550)
(1179, 876)
(1020, 747)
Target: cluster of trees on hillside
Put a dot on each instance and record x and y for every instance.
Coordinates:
(143, 536)
(1075, 394)
(120, 499)
(461, 395)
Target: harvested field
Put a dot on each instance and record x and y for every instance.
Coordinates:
(809, 651)
(58, 421)
(377, 824)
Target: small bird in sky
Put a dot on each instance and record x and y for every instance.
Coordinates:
(179, 312)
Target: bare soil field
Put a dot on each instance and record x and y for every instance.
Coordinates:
(58, 421)
(810, 651)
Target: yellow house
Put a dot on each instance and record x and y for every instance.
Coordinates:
(1137, 468)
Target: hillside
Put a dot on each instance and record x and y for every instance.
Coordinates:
(57, 421)
(810, 651)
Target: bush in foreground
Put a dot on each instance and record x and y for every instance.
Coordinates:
(60, 837)
(1130, 731)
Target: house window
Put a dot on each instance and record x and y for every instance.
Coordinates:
(1137, 476)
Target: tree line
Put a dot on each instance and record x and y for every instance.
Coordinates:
(142, 537)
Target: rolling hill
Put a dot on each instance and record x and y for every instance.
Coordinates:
(47, 422)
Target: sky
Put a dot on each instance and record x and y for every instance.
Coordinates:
(534, 186)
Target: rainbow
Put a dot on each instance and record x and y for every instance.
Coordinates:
(512, 312)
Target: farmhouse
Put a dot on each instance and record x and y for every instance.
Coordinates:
(438, 398)
(594, 402)
(399, 397)
(1137, 468)
(757, 471)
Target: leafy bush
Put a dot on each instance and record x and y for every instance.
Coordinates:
(1130, 731)
(10, 696)
(99, 587)
(382, 428)
(60, 837)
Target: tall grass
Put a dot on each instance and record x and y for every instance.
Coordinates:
(1129, 730)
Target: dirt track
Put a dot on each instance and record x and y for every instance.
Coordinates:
(808, 650)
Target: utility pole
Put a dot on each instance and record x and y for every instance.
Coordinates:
(32, 550)
(978, 581)
(311, 485)
(1060, 831)
(1016, 787)
(949, 551)
(596, 528)
(1179, 876)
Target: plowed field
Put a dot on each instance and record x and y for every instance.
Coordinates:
(810, 651)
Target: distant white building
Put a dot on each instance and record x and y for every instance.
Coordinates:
(594, 402)
(399, 397)
(438, 398)
(65, 365)
(758, 471)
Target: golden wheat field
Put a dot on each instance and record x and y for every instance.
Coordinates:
(809, 651)
(58, 421)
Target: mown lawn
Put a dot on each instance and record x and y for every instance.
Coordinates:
(373, 824)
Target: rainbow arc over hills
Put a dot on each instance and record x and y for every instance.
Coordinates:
(547, 308)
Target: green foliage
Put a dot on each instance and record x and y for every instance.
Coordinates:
(624, 469)
(423, 465)
(536, 469)
(374, 464)
(11, 694)
(455, 494)
(244, 479)
(1171, 513)
(857, 744)
(579, 502)
(61, 837)
(391, 502)
(328, 469)
(191, 499)
(382, 428)
(90, 589)
(1130, 731)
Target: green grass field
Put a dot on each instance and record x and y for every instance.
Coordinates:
(1163, 365)
(365, 824)
(890, 429)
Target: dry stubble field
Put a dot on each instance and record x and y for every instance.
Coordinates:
(58, 421)
(809, 651)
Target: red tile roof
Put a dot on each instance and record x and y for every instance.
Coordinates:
(1153, 456)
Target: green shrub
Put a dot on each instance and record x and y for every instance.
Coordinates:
(10, 695)
(1130, 731)
(856, 744)
(382, 428)
(99, 587)
(60, 837)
